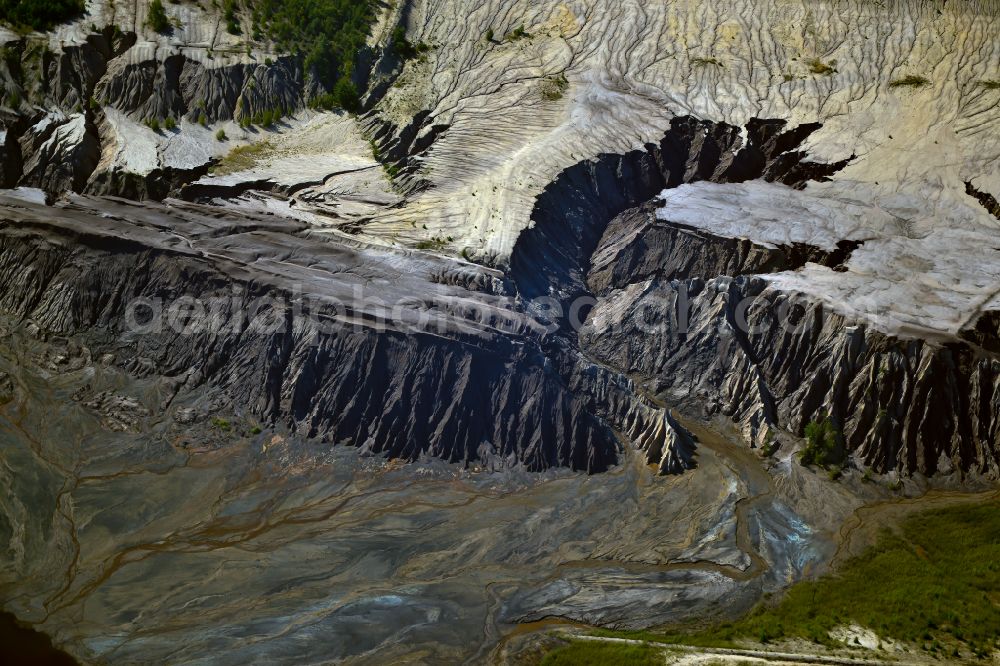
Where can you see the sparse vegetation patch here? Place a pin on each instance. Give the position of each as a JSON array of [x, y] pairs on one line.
[[241, 158], [910, 81], [553, 87]]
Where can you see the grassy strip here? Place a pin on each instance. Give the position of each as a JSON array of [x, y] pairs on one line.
[[590, 653], [935, 583]]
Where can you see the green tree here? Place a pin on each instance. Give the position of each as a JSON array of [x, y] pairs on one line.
[[39, 14], [232, 23], [822, 444], [345, 95], [157, 17], [329, 32]]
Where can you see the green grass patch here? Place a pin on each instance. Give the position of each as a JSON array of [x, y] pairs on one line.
[[910, 81], [935, 583], [241, 158], [591, 653]]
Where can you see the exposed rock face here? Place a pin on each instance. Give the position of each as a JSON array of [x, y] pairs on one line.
[[59, 155], [988, 201], [909, 405], [476, 128], [7, 388], [571, 214], [637, 246], [696, 317], [458, 374], [179, 87]]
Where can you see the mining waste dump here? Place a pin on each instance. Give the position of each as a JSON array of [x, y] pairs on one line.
[[445, 332]]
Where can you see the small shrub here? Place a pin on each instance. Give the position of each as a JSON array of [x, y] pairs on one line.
[[157, 19], [434, 243], [221, 135], [153, 124], [701, 62], [268, 62], [910, 81], [255, 430], [232, 23], [170, 123], [516, 34], [990, 85], [817, 66], [403, 47], [13, 99], [489, 35], [203, 119], [222, 424]]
